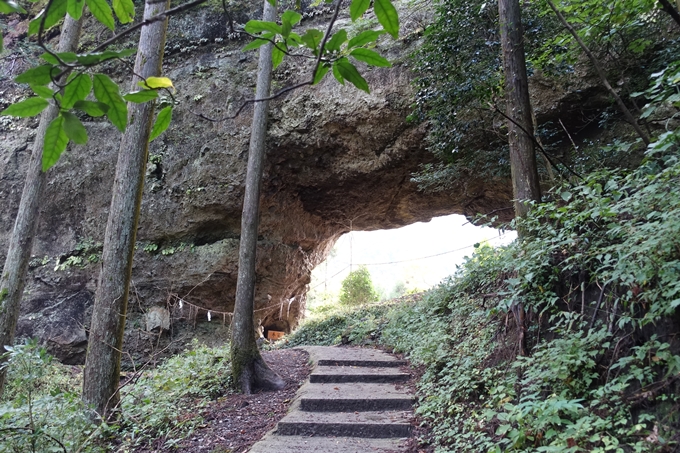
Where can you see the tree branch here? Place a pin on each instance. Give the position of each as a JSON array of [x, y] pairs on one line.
[[600, 72]]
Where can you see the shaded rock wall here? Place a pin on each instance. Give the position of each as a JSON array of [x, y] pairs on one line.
[[337, 159]]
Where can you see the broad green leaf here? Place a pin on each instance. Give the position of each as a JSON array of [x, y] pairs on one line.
[[337, 75], [125, 10], [294, 40], [156, 82], [96, 58], [42, 75], [364, 38], [333, 44], [257, 43], [102, 11], [162, 122], [29, 107], [387, 16], [357, 8], [74, 8], [94, 109], [312, 38], [371, 57], [106, 91], [257, 26], [10, 6], [140, 97], [278, 52], [350, 73], [320, 72], [291, 17], [55, 143], [272, 2], [74, 128], [76, 90], [55, 14], [66, 57], [42, 91]]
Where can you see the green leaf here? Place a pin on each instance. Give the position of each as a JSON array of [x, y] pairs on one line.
[[42, 91], [125, 10], [320, 73], [10, 6], [312, 38], [364, 38], [94, 109], [162, 122], [106, 91], [140, 97], [357, 8], [278, 52], [90, 59], [387, 16], [76, 90], [66, 57], [337, 75], [156, 82], [349, 72], [257, 26], [102, 11], [333, 44], [55, 143], [371, 57], [257, 43], [29, 107], [42, 75], [74, 129], [55, 14], [272, 2], [74, 8], [291, 17]]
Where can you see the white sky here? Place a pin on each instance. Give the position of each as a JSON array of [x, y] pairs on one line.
[[451, 238]]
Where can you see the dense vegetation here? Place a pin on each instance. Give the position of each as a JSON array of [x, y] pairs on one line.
[[42, 411], [599, 276]]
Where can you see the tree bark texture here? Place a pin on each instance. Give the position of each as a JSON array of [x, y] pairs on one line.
[[248, 368], [525, 184], [21, 241], [102, 365]]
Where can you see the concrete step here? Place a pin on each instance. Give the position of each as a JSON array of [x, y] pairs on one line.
[[340, 374], [358, 357], [299, 444], [354, 397], [376, 424]]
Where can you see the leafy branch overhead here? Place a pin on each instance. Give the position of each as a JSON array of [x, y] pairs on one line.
[[64, 79], [331, 52]]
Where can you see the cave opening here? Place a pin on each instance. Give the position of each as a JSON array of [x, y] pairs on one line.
[[412, 258]]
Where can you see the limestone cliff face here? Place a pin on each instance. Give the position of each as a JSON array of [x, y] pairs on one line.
[[337, 159]]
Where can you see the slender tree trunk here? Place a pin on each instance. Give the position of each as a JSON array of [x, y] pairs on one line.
[[102, 366], [525, 184], [21, 241], [248, 368]]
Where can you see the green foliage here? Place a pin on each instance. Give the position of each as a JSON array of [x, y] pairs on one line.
[[333, 53], [357, 288], [41, 409], [40, 412], [165, 402]]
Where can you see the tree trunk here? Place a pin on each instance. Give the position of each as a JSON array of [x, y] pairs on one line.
[[248, 368], [518, 108], [523, 168], [102, 366], [21, 241]]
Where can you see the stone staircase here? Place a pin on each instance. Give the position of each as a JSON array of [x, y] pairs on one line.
[[355, 402]]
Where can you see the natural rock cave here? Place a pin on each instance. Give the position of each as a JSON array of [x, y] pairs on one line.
[[338, 160]]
